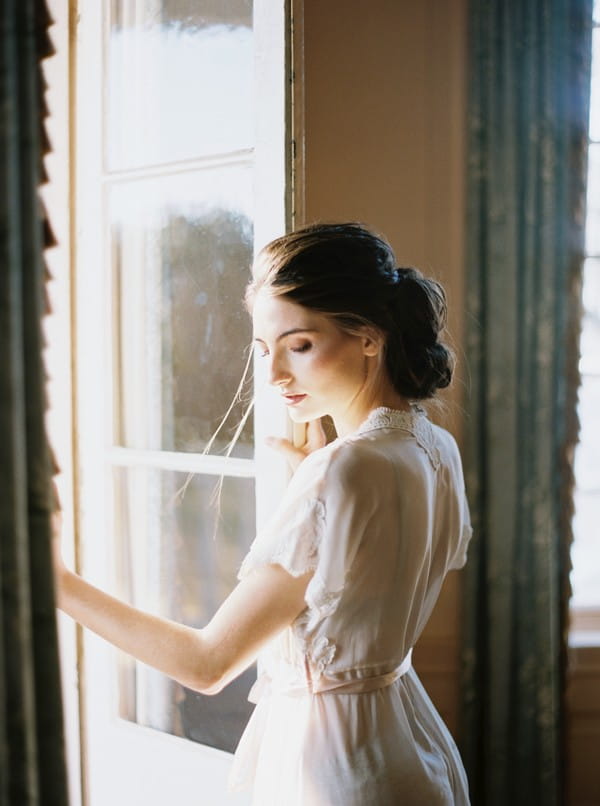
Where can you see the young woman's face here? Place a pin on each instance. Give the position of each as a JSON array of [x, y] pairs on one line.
[[317, 368]]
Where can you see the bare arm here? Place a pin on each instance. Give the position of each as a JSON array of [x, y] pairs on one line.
[[263, 604]]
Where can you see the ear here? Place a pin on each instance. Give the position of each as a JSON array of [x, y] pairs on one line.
[[372, 342]]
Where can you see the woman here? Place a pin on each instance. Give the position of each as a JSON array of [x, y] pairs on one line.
[[338, 586]]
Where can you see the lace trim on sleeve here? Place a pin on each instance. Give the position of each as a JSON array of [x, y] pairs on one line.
[[294, 545], [321, 602], [321, 652]]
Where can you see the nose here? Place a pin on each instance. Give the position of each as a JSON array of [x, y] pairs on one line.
[[279, 375]]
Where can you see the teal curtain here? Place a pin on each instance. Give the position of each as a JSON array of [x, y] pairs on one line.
[[528, 116], [32, 768]]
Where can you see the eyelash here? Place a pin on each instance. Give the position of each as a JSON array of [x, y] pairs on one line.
[[303, 349]]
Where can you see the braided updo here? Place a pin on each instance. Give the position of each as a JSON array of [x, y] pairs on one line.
[[349, 274]]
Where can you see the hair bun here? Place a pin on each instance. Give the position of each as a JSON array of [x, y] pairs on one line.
[[418, 362], [441, 362], [420, 306], [399, 274]]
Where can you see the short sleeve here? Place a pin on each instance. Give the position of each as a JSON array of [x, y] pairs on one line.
[[292, 535]]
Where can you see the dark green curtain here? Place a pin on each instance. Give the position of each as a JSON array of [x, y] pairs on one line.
[[32, 768], [528, 117]]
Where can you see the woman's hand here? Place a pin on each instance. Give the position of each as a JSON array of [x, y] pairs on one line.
[[295, 454]]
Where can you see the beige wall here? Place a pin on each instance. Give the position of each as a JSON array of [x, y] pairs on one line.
[[384, 123]]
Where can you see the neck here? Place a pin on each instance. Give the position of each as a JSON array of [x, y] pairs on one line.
[[348, 421]]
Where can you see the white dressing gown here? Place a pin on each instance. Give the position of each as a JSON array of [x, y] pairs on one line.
[[341, 718]]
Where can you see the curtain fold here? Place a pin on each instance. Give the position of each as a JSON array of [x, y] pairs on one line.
[[32, 766], [528, 119]]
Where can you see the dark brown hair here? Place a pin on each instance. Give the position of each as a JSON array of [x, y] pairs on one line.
[[349, 274]]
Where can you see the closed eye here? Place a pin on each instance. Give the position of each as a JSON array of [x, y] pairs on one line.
[[303, 348]]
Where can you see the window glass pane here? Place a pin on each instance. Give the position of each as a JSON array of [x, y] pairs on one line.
[[592, 240], [591, 287], [181, 249], [181, 73], [589, 363], [190, 13], [595, 85], [178, 552], [587, 466], [585, 552]]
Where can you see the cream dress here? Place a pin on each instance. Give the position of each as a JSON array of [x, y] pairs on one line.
[[341, 718]]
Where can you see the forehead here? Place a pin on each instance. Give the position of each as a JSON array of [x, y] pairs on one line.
[[271, 315]]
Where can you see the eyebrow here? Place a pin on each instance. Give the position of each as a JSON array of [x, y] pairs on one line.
[[290, 333]]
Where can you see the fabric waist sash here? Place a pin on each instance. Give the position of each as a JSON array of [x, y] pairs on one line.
[[324, 684]]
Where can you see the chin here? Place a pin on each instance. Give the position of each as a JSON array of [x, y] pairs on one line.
[[299, 416]]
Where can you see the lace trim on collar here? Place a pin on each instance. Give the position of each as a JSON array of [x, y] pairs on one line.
[[415, 422], [384, 417]]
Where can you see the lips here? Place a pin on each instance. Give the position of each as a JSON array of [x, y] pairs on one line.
[[293, 400]]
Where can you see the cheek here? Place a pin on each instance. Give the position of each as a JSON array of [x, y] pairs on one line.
[[326, 360], [340, 362]]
